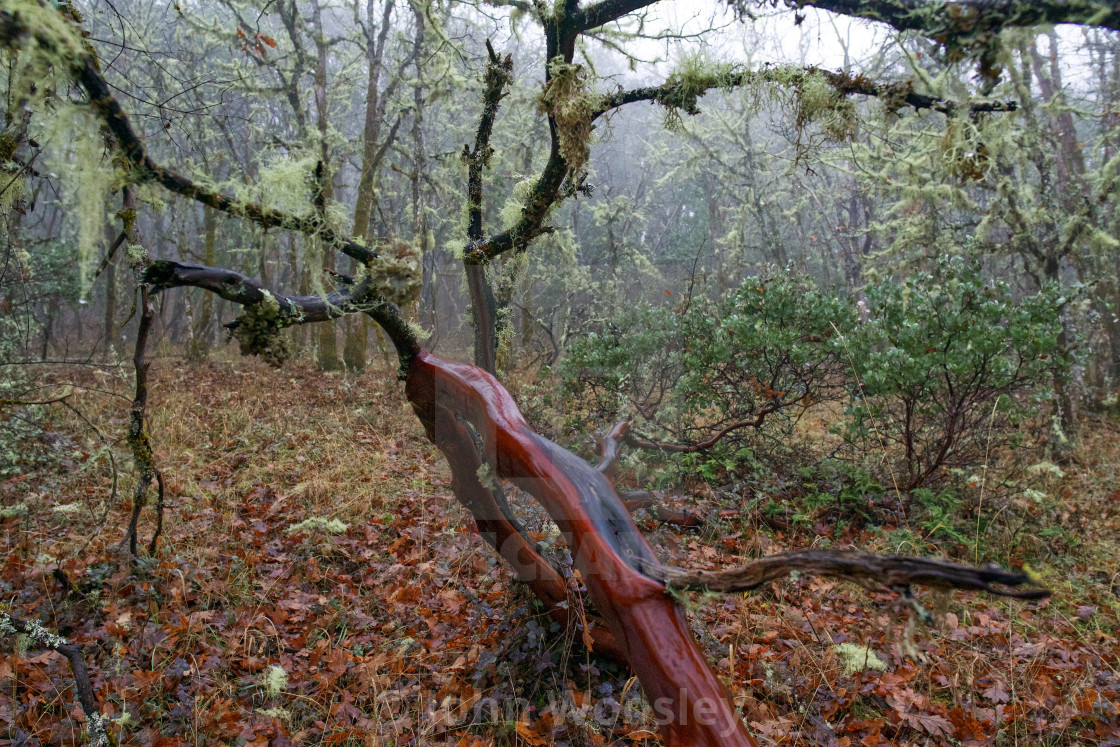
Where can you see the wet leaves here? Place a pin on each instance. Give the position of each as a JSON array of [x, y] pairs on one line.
[[403, 628]]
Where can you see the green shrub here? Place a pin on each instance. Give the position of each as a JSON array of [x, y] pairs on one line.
[[946, 370], [751, 362], [948, 367]]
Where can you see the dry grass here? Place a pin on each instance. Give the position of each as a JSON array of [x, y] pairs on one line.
[[387, 627]]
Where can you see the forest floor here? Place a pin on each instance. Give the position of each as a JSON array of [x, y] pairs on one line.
[[317, 583]]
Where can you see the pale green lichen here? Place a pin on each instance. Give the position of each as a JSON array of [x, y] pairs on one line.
[[512, 209], [14, 511], [694, 76], [419, 332], [1047, 468], [33, 633], [568, 98], [319, 524], [98, 733], [137, 257], [486, 476], [258, 331], [274, 680], [395, 275], [285, 181], [818, 102], [77, 152], [858, 658], [281, 713]]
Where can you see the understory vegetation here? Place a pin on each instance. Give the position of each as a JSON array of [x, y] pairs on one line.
[[357, 574]]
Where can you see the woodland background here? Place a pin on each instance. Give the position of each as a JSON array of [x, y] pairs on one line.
[[833, 320]]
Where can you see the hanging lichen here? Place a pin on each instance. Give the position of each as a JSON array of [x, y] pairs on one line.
[[511, 211], [258, 328], [818, 102], [396, 276], [694, 77], [963, 151], [75, 152], [284, 182], [568, 99]]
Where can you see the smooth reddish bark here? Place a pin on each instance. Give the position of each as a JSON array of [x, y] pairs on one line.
[[692, 706]]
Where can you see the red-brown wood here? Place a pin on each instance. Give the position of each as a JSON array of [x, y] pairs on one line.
[[691, 704]]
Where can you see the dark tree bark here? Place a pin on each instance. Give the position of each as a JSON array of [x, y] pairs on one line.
[[203, 333], [83, 687], [139, 440]]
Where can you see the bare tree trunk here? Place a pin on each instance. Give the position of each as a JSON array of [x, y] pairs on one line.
[[419, 161], [199, 347], [327, 353], [138, 438], [110, 273]]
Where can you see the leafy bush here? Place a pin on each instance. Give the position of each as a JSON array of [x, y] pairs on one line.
[[944, 372], [705, 372], [944, 362]]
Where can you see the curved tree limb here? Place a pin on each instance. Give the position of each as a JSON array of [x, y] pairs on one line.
[[621, 572], [501, 530], [607, 11], [83, 688], [291, 310], [649, 626], [892, 571], [946, 19], [233, 286], [706, 444]]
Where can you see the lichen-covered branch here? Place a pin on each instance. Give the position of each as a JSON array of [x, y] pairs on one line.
[[499, 74], [944, 20], [139, 440], [682, 92], [43, 638], [607, 11], [266, 313]]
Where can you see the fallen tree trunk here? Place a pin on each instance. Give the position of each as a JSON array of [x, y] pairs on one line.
[[648, 627]]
